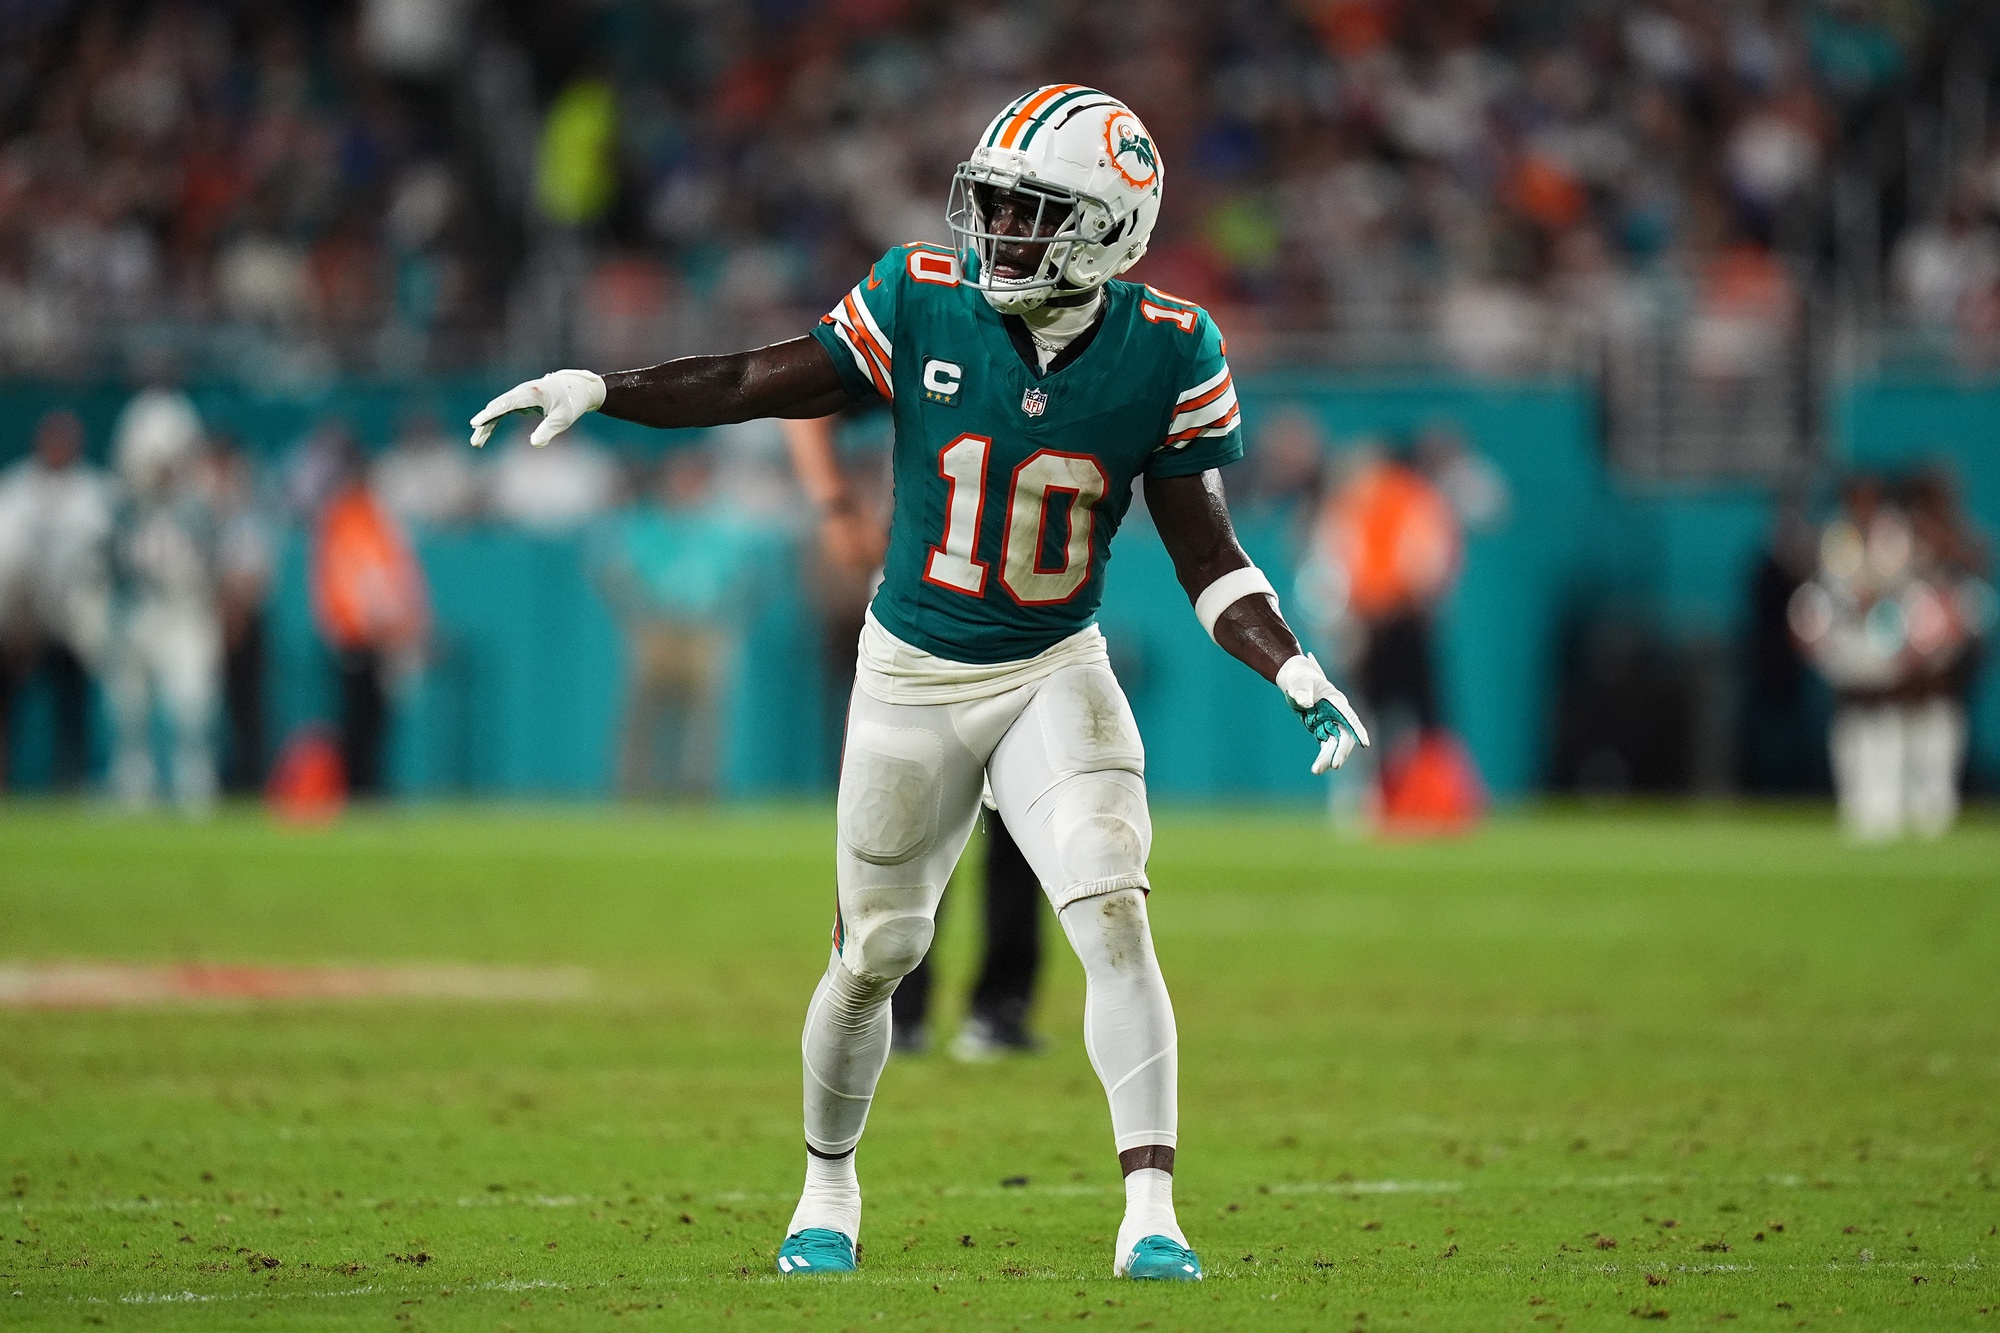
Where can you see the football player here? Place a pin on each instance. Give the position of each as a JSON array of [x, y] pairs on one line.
[[1030, 392]]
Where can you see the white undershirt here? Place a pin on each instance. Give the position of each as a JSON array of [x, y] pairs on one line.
[[896, 672], [1054, 327]]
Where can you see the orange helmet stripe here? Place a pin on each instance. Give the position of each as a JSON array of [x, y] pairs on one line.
[[1035, 104]]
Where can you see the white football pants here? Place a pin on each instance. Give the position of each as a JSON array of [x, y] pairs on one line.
[[1895, 767], [171, 653], [1067, 772]]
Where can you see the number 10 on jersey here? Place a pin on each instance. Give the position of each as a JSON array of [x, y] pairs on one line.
[[954, 563]]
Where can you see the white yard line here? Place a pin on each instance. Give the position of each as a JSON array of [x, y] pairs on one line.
[[1369, 1187], [182, 1297]]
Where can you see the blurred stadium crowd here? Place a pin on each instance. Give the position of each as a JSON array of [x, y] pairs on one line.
[[281, 191]]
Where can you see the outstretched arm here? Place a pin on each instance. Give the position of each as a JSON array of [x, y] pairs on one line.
[[795, 378], [1237, 606]]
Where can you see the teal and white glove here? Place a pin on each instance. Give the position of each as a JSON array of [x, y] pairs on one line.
[[561, 396], [1324, 710]]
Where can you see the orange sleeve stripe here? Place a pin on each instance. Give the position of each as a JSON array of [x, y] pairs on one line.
[[1206, 398], [875, 348], [1027, 113], [1215, 425], [878, 360]]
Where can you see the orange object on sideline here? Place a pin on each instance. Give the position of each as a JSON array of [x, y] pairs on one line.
[[308, 784], [367, 589], [1430, 787]]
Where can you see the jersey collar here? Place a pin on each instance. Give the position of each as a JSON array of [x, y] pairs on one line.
[[1024, 342]]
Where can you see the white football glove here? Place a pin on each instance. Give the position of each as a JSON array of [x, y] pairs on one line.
[[561, 396], [1324, 710]]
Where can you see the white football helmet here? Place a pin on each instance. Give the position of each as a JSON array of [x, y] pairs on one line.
[[1086, 160]]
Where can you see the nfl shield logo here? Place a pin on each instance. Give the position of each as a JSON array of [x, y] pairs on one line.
[[1034, 401]]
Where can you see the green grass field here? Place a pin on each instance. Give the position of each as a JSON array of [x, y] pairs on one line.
[[1579, 1069]]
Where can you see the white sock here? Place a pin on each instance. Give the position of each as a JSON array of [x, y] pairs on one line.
[[1149, 1211], [832, 1197]]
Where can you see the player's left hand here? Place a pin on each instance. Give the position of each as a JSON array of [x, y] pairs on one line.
[[562, 397], [1324, 710]]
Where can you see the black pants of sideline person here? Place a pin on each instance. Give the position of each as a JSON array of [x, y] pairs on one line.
[[364, 718], [243, 707], [1013, 953], [1396, 671], [69, 693]]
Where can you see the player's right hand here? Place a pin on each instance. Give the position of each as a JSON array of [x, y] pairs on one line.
[[561, 396], [1323, 708]]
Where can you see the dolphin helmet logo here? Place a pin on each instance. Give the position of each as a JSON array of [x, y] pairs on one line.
[[1130, 149]]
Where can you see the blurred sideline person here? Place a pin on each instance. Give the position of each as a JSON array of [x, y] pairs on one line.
[[167, 638], [1003, 995], [372, 607], [1385, 555], [424, 478], [55, 588], [1782, 748], [557, 489], [853, 537], [1893, 619], [244, 556], [1031, 393], [682, 573]]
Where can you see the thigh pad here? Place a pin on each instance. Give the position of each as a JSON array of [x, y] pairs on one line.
[[891, 783], [1087, 725]]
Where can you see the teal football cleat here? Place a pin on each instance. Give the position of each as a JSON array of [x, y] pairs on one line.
[[1159, 1259], [817, 1250]]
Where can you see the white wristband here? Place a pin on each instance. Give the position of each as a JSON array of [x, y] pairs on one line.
[[1226, 591]]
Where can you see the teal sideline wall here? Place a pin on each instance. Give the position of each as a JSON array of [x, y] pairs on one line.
[[525, 691]]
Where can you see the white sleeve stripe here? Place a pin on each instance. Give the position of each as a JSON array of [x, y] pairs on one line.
[[1206, 414], [870, 355], [1207, 384], [868, 318], [1224, 426], [846, 336]]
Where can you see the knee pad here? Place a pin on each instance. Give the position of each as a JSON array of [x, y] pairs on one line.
[[1102, 833], [885, 936], [891, 782]]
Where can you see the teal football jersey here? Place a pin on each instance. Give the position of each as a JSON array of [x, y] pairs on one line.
[[1011, 483]]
